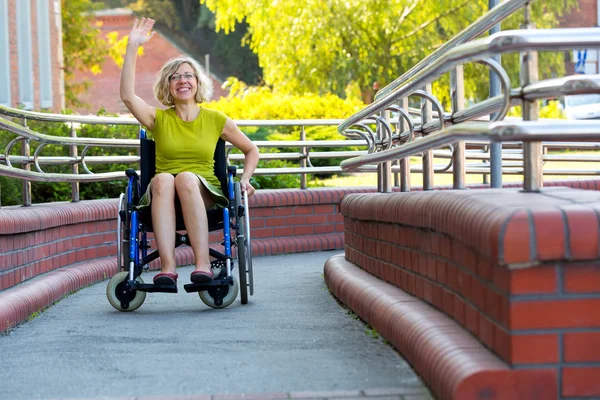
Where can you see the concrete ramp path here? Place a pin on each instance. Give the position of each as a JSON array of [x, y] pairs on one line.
[[293, 340]]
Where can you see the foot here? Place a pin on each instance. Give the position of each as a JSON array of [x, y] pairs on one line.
[[199, 276], [166, 278]]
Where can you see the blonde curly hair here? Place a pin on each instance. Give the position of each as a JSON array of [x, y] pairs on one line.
[[161, 86]]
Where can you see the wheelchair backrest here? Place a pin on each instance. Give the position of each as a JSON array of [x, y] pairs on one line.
[[148, 163]]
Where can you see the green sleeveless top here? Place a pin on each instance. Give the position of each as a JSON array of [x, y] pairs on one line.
[[187, 146]]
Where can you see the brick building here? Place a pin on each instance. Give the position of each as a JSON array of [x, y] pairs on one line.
[[586, 16], [104, 89], [31, 54]]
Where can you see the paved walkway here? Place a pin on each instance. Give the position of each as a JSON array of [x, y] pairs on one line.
[[293, 340]]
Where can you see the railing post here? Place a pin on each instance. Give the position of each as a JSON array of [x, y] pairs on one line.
[[74, 167], [404, 162], [457, 93], [495, 147], [303, 159], [384, 170], [26, 152], [532, 151], [426, 111]]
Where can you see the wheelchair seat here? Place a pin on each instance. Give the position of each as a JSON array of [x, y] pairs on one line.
[[148, 170]]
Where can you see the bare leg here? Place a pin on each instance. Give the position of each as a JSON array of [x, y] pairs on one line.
[[195, 199], [163, 219]]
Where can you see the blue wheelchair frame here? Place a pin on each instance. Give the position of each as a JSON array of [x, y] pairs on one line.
[[137, 259]]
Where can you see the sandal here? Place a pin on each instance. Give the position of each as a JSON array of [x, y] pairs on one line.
[[165, 278], [202, 276]]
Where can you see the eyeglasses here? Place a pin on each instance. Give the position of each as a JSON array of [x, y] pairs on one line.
[[176, 77]]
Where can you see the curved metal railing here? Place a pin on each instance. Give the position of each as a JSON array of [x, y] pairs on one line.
[[28, 165], [481, 50], [394, 140]]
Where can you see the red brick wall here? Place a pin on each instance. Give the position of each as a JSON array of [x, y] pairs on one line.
[[57, 90], [46, 237], [585, 15], [519, 271], [71, 245]]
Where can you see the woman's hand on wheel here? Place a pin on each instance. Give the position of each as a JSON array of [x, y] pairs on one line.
[[245, 186], [141, 31]]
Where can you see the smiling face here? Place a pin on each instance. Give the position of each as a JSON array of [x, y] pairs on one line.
[[183, 84]]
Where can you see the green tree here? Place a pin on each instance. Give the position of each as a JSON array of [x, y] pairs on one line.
[[192, 25], [323, 45], [160, 10], [83, 48]]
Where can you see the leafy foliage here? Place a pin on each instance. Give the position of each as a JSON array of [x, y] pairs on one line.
[[262, 103], [192, 26], [43, 192], [550, 110], [322, 46], [83, 48], [162, 10]]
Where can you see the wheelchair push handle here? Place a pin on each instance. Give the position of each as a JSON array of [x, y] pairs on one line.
[[131, 173]]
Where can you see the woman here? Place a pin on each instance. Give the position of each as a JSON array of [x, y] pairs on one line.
[[185, 135]]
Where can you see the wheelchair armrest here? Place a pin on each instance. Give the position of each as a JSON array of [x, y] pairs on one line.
[[130, 172]]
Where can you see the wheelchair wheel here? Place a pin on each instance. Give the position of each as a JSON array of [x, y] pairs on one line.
[[248, 247], [114, 292], [241, 245], [208, 296], [122, 236]]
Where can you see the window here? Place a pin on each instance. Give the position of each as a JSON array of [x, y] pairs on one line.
[[4, 55], [24, 54], [44, 53]]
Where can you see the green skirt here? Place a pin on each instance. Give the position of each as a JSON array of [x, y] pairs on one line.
[[216, 193]]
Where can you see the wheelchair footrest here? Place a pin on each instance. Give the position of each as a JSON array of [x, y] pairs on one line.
[[153, 288], [199, 287]]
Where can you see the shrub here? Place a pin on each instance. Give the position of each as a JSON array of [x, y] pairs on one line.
[[261, 103]]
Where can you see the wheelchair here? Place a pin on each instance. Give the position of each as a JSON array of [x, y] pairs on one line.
[[126, 290]]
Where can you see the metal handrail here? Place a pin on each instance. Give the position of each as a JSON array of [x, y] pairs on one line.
[[102, 120], [502, 42], [525, 131], [23, 131]]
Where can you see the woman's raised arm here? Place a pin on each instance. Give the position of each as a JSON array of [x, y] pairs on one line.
[[140, 33]]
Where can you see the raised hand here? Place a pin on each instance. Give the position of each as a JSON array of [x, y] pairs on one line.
[[141, 31]]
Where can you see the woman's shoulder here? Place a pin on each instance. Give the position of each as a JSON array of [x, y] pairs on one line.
[[212, 113], [161, 113], [169, 112]]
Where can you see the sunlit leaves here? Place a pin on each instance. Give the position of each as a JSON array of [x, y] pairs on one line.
[[321, 46], [83, 49]]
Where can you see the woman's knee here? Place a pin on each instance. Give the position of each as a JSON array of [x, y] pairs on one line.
[[163, 184], [186, 183]]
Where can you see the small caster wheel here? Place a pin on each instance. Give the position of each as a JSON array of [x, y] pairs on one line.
[[229, 293], [117, 295]]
